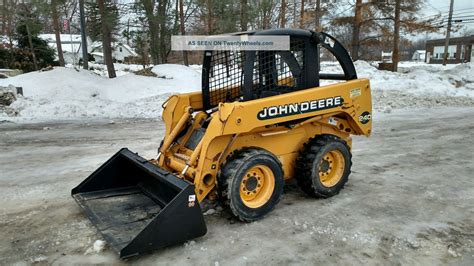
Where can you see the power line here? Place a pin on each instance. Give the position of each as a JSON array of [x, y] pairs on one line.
[[455, 12]]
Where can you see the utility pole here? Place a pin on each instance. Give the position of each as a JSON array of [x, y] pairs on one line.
[[448, 30], [396, 36], [85, 56]]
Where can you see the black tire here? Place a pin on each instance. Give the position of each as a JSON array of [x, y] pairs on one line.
[[310, 159], [232, 175]]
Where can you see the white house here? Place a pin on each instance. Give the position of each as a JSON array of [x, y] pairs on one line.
[[119, 51], [419, 56], [71, 45]]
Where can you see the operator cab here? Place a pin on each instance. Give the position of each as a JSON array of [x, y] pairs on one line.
[[237, 75]]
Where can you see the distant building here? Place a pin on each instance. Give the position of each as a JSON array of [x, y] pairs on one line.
[[419, 56], [120, 51], [70, 44], [459, 50]]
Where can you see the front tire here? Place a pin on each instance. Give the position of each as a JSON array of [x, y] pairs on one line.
[[323, 166], [251, 183]]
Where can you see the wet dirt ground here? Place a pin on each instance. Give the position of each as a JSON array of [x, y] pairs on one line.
[[409, 200]]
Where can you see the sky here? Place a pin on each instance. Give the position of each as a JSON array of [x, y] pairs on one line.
[[462, 9]]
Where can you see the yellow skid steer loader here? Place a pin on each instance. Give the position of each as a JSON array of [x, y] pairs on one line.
[[261, 118]]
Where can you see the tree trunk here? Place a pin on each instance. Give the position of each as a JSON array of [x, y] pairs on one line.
[[243, 15], [183, 30], [396, 36], [294, 14], [4, 15], [9, 20], [153, 25], [283, 14], [317, 14], [356, 30], [57, 32], [302, 15], [209, 16], [106, 39], [82, 19], [162, 26], [30, 42]]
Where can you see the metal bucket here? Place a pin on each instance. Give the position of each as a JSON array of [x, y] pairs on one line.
[[138, 206]]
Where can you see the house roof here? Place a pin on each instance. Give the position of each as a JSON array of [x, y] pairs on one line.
[[98, 44], [129, 49], [453, 40], [98, 54], [67, 47], [65, 38], [420, 51]]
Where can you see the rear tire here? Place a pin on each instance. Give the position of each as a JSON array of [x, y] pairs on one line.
[[323, 166], [251, 183]]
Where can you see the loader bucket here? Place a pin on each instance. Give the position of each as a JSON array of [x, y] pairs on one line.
[[138, 206]]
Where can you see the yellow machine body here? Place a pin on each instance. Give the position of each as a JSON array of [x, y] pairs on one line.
[[261, 117], [297, 117]]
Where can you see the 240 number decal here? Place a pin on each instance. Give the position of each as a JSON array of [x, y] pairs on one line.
[[365, 117]]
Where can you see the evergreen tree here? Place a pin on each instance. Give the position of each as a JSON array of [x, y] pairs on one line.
[[32, 52], [94, 21]]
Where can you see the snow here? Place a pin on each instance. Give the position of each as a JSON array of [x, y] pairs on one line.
[[65, 93], [70, 43], [64, 37], [423, 79], [99, 246], [69, 93]]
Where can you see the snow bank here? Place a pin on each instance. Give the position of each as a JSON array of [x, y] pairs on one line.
[[65, 93], [415, 85], [422, 79]]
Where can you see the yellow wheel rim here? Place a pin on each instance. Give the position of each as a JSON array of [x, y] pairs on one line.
[[331, 168], [257, 186]]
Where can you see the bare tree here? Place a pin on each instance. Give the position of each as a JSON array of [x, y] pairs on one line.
[[356, 30], [153, 26], [57, 31], [182, 29], [106, 39], [209, 16], [244, 20], [283, 14], [302, 15], [317, 14]]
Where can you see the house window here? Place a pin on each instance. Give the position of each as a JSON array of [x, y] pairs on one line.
[[439, 51]]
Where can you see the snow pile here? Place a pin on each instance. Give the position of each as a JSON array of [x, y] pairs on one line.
[[421, 85], [422, 79], [68, 93], [65, 93], [120, 69], [416, 85]]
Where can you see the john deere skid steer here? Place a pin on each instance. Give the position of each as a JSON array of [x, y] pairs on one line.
[[261, 118]]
